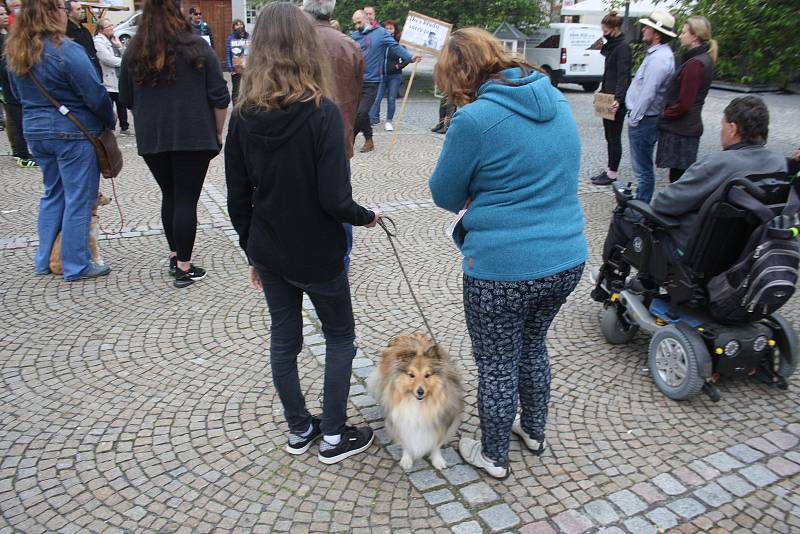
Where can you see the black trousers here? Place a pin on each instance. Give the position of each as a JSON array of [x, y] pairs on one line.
[[613, 131], [122, 112], [180, 175], [19, 147], [363, 125], [236, 81]]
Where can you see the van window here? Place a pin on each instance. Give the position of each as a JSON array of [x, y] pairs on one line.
[[134, 21], [584, 38], [544, 39]]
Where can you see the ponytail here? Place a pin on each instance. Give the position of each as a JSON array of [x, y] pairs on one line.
[[613, 20]]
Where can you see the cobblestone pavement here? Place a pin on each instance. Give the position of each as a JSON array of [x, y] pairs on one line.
[[128, 405]]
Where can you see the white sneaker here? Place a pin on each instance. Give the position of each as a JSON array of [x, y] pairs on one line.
[[536, 446], [388, 126], [472, 453]]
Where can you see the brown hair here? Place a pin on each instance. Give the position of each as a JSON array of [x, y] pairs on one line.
[[613, 20], [471, 58], [286, 63], [163, 34], [700, 27], [37, 21], [396, 32]]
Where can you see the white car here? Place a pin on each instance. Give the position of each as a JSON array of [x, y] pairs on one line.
[[127, 28], [570, 53]]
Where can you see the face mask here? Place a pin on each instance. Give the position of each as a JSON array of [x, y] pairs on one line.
[[16, 10]]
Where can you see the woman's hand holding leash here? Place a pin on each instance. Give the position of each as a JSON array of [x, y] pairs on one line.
[[255, 280]]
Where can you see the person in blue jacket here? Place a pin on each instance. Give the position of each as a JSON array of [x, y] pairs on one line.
[[38, 48], [511, 157], [374, 43], [235, 50]]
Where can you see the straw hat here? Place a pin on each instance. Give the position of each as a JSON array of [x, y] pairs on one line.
[[661, 21]]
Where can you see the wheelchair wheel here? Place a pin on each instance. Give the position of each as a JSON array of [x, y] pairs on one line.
[[675, 353], [615, 328], [788, 344]]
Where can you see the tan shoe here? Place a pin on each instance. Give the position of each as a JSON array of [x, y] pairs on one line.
[[369, 146]]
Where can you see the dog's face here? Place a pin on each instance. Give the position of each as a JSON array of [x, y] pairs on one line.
[[416, 364], [102, 200]]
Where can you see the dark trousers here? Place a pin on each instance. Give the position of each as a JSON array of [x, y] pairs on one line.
[[236, 81], [332, 303], [363, 124], [19, 147], [508, 324], [675, 175], [122, 111], [180, 175], [613, 132]]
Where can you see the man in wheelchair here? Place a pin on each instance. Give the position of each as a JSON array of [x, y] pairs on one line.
[[745, 125], [694, 249]]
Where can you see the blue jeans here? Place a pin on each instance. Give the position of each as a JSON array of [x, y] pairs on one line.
[[642, 139], [71, 182], [391, 86], [332, 302]]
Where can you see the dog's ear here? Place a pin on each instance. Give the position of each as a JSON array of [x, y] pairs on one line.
[[394, 341], [433, 352]]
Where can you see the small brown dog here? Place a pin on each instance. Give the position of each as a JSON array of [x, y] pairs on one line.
[[94, 231], [421, 394]]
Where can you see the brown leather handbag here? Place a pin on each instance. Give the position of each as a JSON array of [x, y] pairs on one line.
[[109, 157]]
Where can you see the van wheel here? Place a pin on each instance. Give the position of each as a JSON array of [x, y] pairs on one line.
[[125, 40], [549, 72], [590, 87]]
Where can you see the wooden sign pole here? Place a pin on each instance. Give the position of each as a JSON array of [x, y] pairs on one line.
[[402, 110]]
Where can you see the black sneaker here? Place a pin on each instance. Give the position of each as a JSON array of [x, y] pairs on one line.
[[173, 266], [353, 441], [602, 179], [299, 444], [187, 278]]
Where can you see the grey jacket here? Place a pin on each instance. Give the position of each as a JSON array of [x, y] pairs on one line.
[[684, 198]]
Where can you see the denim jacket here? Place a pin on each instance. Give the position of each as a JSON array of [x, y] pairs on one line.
[[67, 74]]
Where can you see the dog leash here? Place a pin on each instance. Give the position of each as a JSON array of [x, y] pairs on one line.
[[119, 209], [382, 220]]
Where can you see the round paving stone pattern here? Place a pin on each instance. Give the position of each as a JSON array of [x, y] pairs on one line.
[[128, 405]]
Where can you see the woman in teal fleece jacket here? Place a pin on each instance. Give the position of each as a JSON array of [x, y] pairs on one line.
[[512, 155]]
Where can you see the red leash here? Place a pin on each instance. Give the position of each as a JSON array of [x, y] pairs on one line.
[[119, 209]]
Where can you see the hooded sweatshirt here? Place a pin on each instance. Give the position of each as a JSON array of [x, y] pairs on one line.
[[515, 151], [374, 43], [289, 189]]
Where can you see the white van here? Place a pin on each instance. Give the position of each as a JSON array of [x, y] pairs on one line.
[[569, 52], [126, 29]]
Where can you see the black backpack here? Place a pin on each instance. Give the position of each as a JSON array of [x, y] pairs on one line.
[[765, 276]]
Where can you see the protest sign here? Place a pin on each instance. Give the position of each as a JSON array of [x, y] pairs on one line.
[[602, 106], [425, 33]]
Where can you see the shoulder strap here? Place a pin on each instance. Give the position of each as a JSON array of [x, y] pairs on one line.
[[64, 110]]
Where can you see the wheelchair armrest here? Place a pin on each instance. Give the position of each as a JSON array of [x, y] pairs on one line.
[[646, 210]]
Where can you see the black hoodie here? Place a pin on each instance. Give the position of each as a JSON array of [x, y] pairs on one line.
[[289, 189]]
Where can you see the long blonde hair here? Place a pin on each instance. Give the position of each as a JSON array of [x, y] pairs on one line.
[[700, 27], [37, 21], [286, 64]]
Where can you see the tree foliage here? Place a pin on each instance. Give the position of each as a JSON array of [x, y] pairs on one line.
[[488, 14], [758, 39]]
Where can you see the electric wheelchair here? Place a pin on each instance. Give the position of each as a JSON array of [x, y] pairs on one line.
[[693, 344]]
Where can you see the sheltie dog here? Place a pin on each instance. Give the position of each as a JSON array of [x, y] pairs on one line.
[[94, 231], [421, 394]]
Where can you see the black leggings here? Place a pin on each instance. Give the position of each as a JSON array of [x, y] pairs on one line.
[[122, 111], [613, 131], [675, 175], [180, 176], [19, 147]]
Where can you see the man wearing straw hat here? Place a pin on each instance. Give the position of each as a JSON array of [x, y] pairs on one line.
[[645, 97]]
